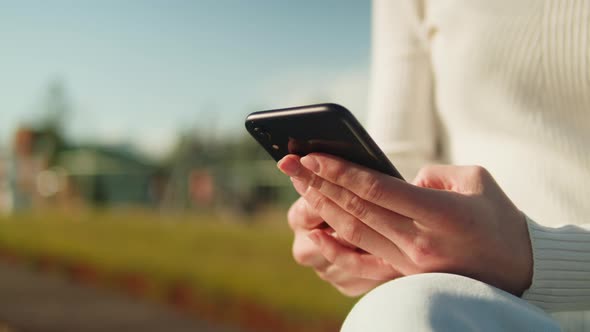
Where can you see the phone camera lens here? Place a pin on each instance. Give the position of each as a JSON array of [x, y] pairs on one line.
[[264, 135]]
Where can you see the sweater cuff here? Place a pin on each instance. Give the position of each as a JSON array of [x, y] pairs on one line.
[[561, 268]]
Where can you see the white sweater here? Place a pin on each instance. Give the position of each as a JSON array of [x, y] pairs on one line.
[[504, 84]]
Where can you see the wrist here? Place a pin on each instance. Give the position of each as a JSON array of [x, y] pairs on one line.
[[523, 258], [526, 263], [513, 257]]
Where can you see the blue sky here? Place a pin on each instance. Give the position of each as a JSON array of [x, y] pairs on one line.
[[139, 71]]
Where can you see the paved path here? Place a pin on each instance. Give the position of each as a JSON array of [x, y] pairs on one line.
[[34, 302]]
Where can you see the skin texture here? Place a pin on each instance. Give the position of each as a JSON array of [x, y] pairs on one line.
[[453, 219]]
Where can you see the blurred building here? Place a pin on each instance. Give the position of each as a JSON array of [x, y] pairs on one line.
[[107, 175]]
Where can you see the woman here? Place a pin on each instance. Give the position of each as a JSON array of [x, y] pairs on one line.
[[502, 84]]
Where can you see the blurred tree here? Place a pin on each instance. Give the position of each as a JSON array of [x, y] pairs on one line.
[[55, 108]]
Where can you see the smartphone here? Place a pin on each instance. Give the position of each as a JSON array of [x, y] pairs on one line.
[[326, 128]]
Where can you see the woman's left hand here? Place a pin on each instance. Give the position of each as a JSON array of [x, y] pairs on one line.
[[453, 219]]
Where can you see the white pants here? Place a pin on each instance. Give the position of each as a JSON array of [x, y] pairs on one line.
[[444, 302]]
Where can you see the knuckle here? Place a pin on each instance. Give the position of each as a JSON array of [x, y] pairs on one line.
[[302, 256], [316, 182], [350, 264], [318, 202], [423, 251], [478, 172], [374, 188], [352, 233], [336, 171], [356, 206], [478, 179], [349, 291]]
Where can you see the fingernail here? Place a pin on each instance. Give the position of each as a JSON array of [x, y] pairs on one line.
[[315, 238], [289, 167], [310, 163]]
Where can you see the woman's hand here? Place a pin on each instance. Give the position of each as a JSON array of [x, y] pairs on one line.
[[453, 219], [351, 273]]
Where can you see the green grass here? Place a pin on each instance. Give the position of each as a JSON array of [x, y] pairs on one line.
[[221, 258]]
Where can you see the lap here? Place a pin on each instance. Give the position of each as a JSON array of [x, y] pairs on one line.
[[444, 302]]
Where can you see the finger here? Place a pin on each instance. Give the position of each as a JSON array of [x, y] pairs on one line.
[[291, 166], [360, 265], [350, 229], [392, 225], [346, 283], [307, 253], [354, 288], [302, 216], [378, 188]]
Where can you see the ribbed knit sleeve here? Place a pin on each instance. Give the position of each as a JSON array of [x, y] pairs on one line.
[[561, 277], [400, 115], [506, 85]]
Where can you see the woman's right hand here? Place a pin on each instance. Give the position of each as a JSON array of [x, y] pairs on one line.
[[351, 271]]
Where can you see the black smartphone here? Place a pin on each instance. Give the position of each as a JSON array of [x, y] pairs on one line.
[[327, 128]]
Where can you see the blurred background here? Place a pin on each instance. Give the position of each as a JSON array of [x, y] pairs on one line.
[[131, 197]]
